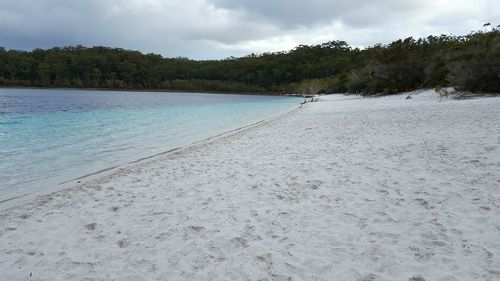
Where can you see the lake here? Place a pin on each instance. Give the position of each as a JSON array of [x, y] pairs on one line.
[[51, 136]]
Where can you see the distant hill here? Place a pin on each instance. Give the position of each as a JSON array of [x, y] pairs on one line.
[[470, 62]]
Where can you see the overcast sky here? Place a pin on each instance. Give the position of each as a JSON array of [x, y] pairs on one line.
[[208, 29]]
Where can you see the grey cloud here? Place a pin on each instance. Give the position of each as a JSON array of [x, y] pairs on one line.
[[48, 23], [290, 14], [221, 28]]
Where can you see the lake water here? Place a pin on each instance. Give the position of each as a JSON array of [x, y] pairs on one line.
[[51, 136]]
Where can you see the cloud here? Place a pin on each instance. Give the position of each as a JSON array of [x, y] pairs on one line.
[[207, 29], [314, 12]]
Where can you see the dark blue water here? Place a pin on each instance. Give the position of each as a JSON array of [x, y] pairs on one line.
[[28, 101], [51, 136]]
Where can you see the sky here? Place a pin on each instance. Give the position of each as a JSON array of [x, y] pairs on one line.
[[214, 29]]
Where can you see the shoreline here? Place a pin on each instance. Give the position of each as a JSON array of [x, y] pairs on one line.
[[152, 91], [71, 183]]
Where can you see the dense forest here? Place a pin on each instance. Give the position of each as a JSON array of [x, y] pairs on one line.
[[470, 62]]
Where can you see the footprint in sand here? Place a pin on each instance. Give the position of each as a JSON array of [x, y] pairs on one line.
[[239, 242], [424, 203], [422, 254], [265, 260], [369, 277], [91, 226], [122, 243], [416, 278]]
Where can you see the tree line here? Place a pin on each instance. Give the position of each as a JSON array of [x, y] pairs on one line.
[[470, 62]]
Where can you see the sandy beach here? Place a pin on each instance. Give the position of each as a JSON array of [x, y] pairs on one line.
[[342, 189]]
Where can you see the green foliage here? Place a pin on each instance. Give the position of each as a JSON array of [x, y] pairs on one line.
[[470, 62]]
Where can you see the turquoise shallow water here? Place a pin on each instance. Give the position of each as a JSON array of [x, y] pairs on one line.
[[51, 136]]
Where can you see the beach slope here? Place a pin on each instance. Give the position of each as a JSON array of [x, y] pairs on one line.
[[342, 189]]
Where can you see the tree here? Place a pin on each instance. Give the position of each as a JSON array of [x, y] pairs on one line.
[[308, 88], [43, 72], [469, 61], [95, 77]]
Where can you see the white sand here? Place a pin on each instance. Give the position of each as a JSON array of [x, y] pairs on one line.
[[343, 189]]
